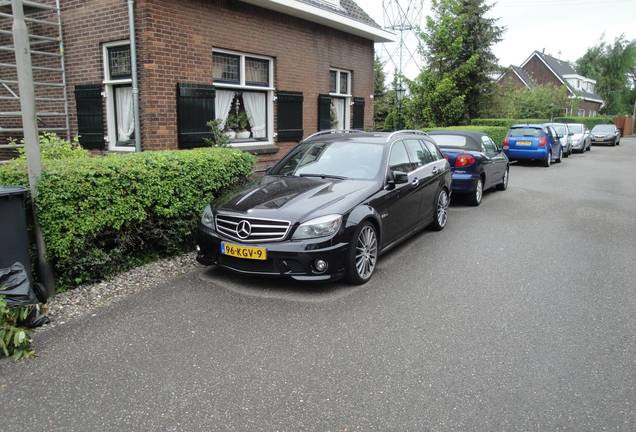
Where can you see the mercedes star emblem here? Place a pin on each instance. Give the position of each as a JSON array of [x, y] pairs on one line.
[[243, 229]]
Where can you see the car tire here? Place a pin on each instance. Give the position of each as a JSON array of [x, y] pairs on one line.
[[442, 200], [614, 143], [548, 160], [475, 198], [363, 254], [560, 158], [566, 154], [504, 181], [589, 148]]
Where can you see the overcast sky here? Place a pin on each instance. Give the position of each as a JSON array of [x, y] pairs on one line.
[[565, 28]]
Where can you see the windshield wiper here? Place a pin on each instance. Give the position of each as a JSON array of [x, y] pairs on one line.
[[324, 176]]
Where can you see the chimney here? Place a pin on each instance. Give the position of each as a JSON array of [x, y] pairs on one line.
[[542, 50]]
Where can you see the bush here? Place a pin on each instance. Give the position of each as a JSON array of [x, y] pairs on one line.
[[14, 341], [102, 215], [589, 122], [497, 133], [54, 147], [504, 122]]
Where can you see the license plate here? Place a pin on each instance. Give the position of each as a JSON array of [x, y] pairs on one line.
[[524, 143], [245, 252]]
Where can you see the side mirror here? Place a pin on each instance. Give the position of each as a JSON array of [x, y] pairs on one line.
[[559, 136], [400, 177]]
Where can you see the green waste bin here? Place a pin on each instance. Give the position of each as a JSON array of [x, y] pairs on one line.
[[14, 237]]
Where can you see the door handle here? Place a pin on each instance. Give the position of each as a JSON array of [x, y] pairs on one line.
[[435, 170], [415, 181]]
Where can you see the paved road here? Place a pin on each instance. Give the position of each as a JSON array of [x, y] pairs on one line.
[[520, 316]]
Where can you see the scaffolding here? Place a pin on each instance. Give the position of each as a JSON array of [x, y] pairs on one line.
[[44, 24]]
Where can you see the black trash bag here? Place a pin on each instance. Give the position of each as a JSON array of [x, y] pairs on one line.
[[16, 287]]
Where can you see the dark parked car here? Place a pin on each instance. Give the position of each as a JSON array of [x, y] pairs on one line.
[[533, 142], [330, 207], [477, 162], [607, 134]]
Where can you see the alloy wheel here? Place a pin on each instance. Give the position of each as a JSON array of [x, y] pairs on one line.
[[479, 191], [442, 208], [505, 179], [366, 252]]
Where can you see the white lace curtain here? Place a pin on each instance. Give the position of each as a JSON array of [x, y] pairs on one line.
[[222, 103], [125, 118], [338, 105], [256, 110]]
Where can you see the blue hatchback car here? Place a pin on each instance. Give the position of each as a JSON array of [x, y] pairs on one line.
[[533, 142], [477, 163]]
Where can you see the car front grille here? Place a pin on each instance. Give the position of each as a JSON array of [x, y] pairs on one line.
[[252, 229]]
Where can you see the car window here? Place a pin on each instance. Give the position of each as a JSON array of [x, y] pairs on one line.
[[489, 146], [603, 128], [399, 160], [524, 132], [435, 152], [450, 140], [418, 154], [576, 128]]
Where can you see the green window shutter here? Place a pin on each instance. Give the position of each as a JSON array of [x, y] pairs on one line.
[[358, 113], [195, 107], [324, 112], [289, 116], [90, 116]]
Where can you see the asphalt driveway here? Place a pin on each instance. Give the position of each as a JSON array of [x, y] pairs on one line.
[[520, 315]]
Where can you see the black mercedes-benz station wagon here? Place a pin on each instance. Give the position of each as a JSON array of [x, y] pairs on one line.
[[330, 207]]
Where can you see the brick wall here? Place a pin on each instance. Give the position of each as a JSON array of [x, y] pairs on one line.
[[178, 38], [87, 25], [540, 73], [511, 78]]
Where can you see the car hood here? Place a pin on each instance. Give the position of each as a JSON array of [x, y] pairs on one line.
[[578, 136], [296, 199]]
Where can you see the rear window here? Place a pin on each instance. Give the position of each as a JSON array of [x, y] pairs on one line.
[[576, 128], [524, 132], [450, 140]]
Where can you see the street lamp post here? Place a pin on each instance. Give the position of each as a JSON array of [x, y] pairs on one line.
[[399, 93]]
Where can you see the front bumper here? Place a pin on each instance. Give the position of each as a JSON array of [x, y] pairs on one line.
[[579, 145], [520, 154], [464, 182], [602, 140], [290, 259]]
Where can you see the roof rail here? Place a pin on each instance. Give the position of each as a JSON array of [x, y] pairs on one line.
[[406, 131], [333, 131]]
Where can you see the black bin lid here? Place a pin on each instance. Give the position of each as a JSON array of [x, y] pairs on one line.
[[8, 191]]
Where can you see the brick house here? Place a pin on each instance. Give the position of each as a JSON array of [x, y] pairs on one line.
[[271, 70], [542, 69]]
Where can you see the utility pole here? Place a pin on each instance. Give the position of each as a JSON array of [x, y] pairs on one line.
[[30, 129]]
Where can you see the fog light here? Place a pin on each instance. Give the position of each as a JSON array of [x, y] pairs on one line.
[[320, 265]]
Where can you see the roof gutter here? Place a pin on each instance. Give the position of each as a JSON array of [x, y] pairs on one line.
[[327, 18], [133, 64]]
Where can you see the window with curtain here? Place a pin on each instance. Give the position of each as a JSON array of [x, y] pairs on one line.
[[120, 120], [244, 95], [124, 118]]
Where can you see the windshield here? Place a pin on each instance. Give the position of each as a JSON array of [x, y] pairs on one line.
[[576, 128], [524, 132], [450, 140], [345, 159], [603, 128]]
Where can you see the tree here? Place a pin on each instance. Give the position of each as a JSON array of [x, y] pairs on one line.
[[380, 105], [542, 102], [456, 45], [613, 66]]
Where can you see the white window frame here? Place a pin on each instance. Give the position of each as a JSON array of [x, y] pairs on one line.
[[346, 96], [270, 89], [581, 112], [109, 94]]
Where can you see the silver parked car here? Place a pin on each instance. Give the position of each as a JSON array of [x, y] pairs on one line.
[[563, 135], [581, 138]]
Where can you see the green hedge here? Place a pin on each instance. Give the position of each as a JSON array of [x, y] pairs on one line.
[[589, 122], [102, 215], [497, 133]]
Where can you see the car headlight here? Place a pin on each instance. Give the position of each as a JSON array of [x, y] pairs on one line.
[[320, 227], [207, 218]]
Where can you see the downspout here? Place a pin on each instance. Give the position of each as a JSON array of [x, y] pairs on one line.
[[133, 63]]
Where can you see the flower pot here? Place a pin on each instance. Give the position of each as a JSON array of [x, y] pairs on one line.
[[243, 134], [230, 134]]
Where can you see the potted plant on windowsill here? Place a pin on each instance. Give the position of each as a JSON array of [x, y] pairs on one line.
[[243, 124], [231, 124]]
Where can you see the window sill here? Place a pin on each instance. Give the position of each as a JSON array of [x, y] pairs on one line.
[[259, 149]]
